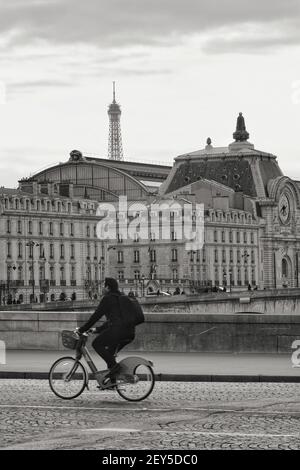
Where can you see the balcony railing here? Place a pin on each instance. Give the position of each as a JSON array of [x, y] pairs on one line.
[[73, 282], [63, 282]]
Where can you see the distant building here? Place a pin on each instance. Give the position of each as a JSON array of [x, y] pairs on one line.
[[251, 225], [48, 239]]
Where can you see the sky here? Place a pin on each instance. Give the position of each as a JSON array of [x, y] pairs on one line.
[[183, 69]]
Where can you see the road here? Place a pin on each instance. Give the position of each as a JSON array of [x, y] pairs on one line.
[[178, 415]]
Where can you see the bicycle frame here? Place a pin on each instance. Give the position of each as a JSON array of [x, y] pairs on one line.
[[127, 365]]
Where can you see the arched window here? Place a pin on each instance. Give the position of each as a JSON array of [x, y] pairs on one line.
[[284, 267]]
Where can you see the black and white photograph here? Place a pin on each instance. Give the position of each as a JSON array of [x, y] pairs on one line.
[[149, 228]]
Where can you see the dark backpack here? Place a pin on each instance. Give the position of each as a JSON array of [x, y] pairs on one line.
[[130, 311]]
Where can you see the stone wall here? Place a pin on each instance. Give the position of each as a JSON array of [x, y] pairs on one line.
[[181, 332]]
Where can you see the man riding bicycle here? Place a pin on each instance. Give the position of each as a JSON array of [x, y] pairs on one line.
[[114, 334]]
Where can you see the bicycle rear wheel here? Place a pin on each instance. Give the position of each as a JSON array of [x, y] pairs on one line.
[[136, 387], [67, 378]]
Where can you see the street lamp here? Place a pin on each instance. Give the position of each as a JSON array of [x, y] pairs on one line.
[[143, 285], [31, 244], [246, 256], [230, 279], [8, 279]]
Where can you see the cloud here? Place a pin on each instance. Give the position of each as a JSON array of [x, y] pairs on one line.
[[118, 23], [15, 86]]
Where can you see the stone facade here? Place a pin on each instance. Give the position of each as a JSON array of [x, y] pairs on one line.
[[49, 247]]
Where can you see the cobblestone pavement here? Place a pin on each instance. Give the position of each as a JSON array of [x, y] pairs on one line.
[[176, 416]]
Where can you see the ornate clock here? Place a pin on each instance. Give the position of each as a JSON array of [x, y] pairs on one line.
[[284, 208]]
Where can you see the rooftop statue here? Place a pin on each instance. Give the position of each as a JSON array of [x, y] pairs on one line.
[[241, 133]]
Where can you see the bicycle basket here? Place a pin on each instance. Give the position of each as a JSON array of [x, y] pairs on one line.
[[69, 339]]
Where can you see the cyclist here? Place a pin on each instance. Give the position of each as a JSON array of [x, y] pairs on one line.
[[114, 333]]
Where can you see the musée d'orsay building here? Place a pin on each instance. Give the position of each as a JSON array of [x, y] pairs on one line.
[[48, 237]]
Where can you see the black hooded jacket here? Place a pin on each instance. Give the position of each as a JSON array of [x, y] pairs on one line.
[[108, 307]]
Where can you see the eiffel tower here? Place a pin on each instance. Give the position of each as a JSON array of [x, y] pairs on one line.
[[115, 149]]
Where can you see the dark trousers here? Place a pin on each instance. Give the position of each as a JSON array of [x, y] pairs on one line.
[[111, 340]]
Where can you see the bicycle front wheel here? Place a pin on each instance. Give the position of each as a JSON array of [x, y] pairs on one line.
[[67, 378], [138, 386]]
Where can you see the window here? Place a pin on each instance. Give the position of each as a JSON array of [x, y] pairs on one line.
[[223, 236], [217, 281], [137, 275], [42, 273], [73, 273], [136, 256], [120, 257], [121, 275], [51, 273], [95, 251], [215, 236], [8, 226], [41, 228], [120, 239], [19, 226], [88, 251], [153, 255], [203, 255], [71, 229], [230, 237], [239, 279], [238, 256], [9, 249], [51, 250], [42, 251], [216, 256], [51, 228], [252, 256], [27, 205], [173, 236], [136, 237], [175, 274], [88, 233], [62, 274], [174, 254], [245, 238], [62, 251], [61, 229], [72, 251], [20, 273], [30, 226], [152, 237], [223, 256], [231, 256], [238, 237], [20, 250], [252, 237]]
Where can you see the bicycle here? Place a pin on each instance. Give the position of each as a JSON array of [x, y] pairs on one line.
[[68, 377]]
